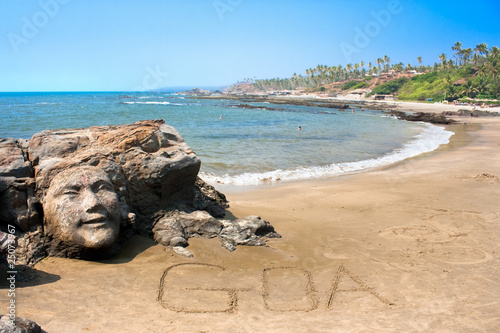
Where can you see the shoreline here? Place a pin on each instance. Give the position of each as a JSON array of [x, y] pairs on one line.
[[342, 102], [462, 136], [408, 247], [273, 178]]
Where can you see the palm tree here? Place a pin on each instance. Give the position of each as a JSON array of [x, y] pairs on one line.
[[442, 57], [399, 67], [494, 52], [419, 59], [481, 49], [493, 66], [458, 48], [469, 88], [448, 79], [483, 71], [450, 64], [466, 54], [387, 60], [356, 66]]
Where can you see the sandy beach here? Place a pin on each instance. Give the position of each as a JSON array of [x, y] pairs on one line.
[[413, 247]]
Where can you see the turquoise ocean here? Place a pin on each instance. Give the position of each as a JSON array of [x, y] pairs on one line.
[[237, 146]]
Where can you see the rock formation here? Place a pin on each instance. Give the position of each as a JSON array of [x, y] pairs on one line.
[[81, 192], [196, 92], [427, 117], [18, 325]]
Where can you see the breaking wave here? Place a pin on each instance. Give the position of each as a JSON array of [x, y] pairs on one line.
[[430, 139]]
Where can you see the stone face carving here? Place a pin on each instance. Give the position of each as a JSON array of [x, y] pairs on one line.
[[81, 207], [82, 192]]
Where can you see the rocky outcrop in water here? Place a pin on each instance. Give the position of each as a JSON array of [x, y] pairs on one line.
[[196, 92], [82, 192], [432, 118]]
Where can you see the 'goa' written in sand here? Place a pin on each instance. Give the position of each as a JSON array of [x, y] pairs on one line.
[[283, 289]]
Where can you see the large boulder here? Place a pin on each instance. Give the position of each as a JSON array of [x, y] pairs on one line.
[[148, 162], [79, 192], [17, 202]]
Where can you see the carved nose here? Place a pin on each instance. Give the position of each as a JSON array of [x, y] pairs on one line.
[[91, 202]]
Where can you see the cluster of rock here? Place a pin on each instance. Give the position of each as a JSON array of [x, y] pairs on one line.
[[154, 177], [476, 113], [427, 117], [196, 92]]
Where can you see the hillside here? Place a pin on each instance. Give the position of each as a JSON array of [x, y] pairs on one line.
[[470, 74]]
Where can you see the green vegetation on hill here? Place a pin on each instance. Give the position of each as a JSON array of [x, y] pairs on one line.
[[471, 73], [473, 81], [389, 87], [349, 85]]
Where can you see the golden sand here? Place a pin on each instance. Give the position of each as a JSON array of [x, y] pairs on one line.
[[414, 247]]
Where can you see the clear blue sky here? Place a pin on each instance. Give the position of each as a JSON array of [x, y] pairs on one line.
[[119, 45]]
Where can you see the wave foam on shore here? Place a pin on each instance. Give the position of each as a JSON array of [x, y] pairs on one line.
[[427, 141], [155, 103]]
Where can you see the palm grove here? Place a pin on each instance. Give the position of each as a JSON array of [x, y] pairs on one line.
[[469, 72]]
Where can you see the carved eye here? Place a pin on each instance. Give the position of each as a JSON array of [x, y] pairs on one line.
[[71, 191], [104, 187]]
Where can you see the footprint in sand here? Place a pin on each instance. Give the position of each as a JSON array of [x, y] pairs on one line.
[[459, 255], [421, 233], [459, 223]]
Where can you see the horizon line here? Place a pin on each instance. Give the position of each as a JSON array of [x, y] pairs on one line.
[[115, 91]]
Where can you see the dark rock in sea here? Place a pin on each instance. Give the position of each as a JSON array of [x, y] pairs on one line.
[[254, 107], [314, 102], [432, 118], [18, 325], [196, 92], [82, 192], [477, 113]]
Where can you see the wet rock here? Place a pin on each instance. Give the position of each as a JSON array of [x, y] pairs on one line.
[[432, 118]]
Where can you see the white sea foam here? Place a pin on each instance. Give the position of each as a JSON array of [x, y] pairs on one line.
[[155, 103], [429, 140]]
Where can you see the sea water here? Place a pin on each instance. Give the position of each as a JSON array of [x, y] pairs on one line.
[[236, 145]]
